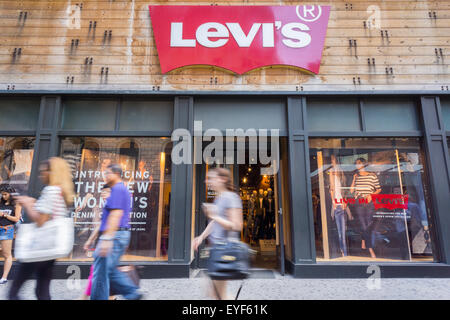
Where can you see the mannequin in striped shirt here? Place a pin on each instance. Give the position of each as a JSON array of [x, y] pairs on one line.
[[364, 185]]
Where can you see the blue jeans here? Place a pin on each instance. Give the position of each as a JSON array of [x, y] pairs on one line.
[[365, 212], [106, 273], [339, 217]]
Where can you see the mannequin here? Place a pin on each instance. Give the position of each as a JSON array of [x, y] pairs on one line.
[[250, 216], [254, 200], [271, 213], [259, 215], [265, 221], [416, 205]]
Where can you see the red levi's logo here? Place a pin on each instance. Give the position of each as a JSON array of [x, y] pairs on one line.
[[390, 201], [240, 38]]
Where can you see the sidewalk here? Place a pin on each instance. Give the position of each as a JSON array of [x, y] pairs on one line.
[[267, 287]]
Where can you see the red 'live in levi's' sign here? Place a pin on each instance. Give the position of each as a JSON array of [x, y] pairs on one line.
[[240, 38], [390, 201]]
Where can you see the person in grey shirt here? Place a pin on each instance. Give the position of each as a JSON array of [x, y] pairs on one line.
[[225, 216]]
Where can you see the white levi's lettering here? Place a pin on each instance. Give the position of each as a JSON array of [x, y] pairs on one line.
[[303, 38], [215, 35], [204, 33], [239, 35], [176, 36], [268, 35]]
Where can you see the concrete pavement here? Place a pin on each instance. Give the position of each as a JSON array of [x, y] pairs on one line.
[[267, 286]]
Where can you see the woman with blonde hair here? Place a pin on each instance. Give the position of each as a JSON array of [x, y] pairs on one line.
[[55, 197]]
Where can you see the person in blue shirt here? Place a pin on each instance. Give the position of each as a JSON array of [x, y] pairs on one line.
[[113, 241]]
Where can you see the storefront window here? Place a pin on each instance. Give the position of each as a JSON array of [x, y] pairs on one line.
[[445, 105], [370, 200], [448, 144], [146, 164], [16, 158], [19, 114]]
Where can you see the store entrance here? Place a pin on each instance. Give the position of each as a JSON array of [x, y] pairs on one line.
[[259, 212], [264, 198]]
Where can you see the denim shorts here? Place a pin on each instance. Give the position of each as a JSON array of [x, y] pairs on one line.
[[6, 232]]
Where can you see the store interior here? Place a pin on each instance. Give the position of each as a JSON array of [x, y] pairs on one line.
[[259, 212]]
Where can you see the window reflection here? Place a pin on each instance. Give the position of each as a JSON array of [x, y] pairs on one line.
[[146, 165], [16, 158], [369, 199]]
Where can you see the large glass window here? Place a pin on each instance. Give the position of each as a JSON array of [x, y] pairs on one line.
[[89, 114], [445, 105], [377, 114], [146, 164], [146, 115], [19, 114], [390, 114], [370, 199], [333, 114], [448, 144], [16, 158]]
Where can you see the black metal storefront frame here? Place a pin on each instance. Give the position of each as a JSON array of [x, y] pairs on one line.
[[303, 263]]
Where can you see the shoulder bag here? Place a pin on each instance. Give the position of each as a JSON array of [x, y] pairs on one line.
[[53, 240], [229, 260]]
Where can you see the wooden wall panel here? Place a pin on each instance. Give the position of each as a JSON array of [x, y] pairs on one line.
[[417, 31]]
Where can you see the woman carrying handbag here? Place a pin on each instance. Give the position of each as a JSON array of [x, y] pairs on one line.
[[52, 204], [228, 258]]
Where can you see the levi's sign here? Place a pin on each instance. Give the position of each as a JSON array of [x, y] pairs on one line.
[[240, 38]]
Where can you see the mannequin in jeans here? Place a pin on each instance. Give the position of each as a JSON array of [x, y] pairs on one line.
[[339, 208]]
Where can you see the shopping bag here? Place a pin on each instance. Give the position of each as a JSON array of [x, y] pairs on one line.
[[131, 272], [53, 240]]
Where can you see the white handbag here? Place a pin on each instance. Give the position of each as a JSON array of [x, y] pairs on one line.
[[53, 240]]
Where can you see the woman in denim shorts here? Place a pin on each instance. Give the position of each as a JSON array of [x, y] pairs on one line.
[[10, 213]]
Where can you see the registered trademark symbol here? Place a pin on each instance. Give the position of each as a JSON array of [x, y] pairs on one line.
[[309, 13]]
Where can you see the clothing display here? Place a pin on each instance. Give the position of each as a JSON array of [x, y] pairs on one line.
[[365, 185], [339, 217], [259, 215]]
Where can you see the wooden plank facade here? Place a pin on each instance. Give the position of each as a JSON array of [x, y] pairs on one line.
[[401, 45]]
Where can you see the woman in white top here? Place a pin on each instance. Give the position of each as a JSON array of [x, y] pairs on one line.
[[55, 197]]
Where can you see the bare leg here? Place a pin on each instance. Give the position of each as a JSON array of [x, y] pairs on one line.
[[6, 252], [372, 253], [363, 244], [221, 289]]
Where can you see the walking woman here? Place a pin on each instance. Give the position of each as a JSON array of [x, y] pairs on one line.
[[339, 208], [55, 197], [10, 213], [225, 217]]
